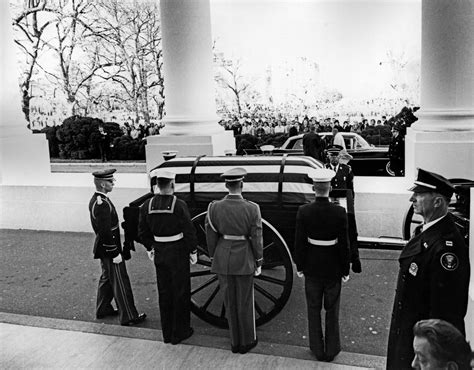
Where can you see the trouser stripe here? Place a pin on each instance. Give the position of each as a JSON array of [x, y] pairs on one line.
[[122, 288]]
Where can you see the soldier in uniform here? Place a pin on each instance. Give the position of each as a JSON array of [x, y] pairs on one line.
[[234, 239], [114, 282], [396, 151], [167, 232], [322, 256], [433, 279], [344, 180]]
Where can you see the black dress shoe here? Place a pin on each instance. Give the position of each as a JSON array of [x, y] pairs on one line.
[[186, 336], [140, 318], [248, 347], [108, 313], [235, 349]]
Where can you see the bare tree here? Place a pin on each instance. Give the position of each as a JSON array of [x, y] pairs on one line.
[[31, 22]]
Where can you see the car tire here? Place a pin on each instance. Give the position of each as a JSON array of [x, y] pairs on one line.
[[388, 170]]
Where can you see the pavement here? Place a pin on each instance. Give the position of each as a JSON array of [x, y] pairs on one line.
[[48, 283]]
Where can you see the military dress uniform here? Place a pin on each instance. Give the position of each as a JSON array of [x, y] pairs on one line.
[[344, 180], [165, 225], [114, 282], [322, 254], [396, 153], [433, 283], [235, 244]]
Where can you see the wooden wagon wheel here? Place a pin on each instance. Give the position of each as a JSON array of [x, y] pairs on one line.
[[272, 287]]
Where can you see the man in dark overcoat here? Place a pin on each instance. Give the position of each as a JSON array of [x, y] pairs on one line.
[[433, 279], [322, 256], [167, 232], [396, 151], [235, 244], [114, 282], [313, 146], [344, 181]]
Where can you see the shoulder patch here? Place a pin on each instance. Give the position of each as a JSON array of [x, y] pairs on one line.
[[449, 261]]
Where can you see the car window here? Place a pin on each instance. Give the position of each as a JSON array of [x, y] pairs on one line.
[[360, 143], [298, 144]]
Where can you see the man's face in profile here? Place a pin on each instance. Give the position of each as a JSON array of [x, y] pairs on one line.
[[424, 360]]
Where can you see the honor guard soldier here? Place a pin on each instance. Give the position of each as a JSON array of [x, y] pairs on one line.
[[396, 151], [433, 279], [234, 240], [167, 232], [322, 256], [114, 282], [344, 180]]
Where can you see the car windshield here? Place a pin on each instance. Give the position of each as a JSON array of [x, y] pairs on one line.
[[351, 141]]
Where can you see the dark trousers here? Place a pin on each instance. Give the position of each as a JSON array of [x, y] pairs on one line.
[[172, 275], [239, 306], [327, 291], [114, 283]]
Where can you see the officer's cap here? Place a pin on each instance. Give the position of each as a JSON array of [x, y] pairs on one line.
[[334, 150], [162, 173], [169, 154], [107, 174], [267, 148], [426, 182], [234, 174], [344, 155], [321, 174]]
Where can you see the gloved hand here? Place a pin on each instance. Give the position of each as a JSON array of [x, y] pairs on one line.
[[345, 279], [151, 255], [258, 271], [299, 274], [117, 259], [193, 258], [356, 266]]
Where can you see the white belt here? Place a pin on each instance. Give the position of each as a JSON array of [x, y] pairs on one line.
[[234, 237], [166, 239], [322, 243]]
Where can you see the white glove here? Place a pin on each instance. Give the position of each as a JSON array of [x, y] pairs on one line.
[[151, 254], [193, 258], [258, 271], [345, 279], [117, 259], [299, 274]]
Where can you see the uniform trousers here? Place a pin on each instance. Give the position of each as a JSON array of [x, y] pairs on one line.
[[172, 276], [239, 305], [114, 283], [327, 291]]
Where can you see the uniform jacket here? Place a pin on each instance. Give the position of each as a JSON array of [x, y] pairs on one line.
[[344, 178], [105, 223], [322, 220], [432, 283], [313, 146], [396, 149], [166, 215], [234, 215]]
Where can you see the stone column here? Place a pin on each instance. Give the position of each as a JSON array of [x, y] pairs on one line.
[[23, 156], [442, 140], [191, 122]]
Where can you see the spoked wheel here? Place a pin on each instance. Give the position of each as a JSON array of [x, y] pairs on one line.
[[410, 222], [272, 287]]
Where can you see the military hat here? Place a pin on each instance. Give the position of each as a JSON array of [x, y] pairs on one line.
[[162, 173], [169, 154], [234, 174], [267, 148], [107, 174], [432, 182], [344, 155], [321, 174], [334, 150]]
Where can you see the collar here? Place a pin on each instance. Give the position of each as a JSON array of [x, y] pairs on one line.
[[99, 192], [431, 223], [234, 196], [322, 199]]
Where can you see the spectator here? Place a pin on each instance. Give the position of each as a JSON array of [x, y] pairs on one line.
[[439, 345]]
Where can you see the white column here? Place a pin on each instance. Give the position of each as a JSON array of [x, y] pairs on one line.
[[191, 122], [442, 140], [23, 156]]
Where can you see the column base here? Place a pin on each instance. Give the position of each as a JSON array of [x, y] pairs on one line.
[[191, 145], [449, 153], [24, 158]]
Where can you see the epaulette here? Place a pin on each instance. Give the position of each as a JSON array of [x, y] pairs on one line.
[[99, 200]]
